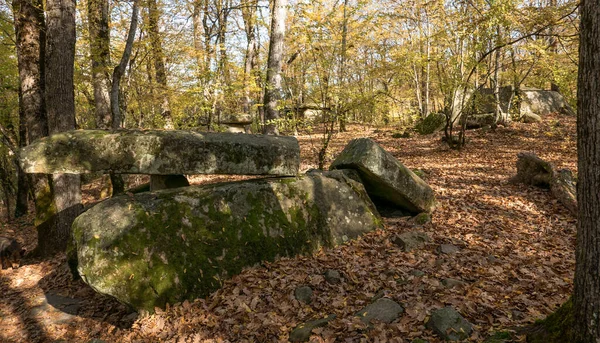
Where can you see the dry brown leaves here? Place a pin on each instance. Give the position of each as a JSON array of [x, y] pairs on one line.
[[516, 257]]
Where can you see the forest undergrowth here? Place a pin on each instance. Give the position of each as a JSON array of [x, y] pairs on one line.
[[516, 259]]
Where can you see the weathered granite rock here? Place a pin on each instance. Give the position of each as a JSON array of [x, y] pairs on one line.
[[408, 241], [302, 332], [449, 324], [543, 102], [385, 177], [161, 247], [161, 153], [383, 310]]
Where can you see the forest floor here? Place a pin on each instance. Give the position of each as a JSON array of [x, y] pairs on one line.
[[516, 257]]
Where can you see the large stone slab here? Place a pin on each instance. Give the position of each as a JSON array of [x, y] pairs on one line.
[[161, 153], [385, 177], [162, 247]]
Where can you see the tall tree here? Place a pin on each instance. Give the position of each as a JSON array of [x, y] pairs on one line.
[[98, 27], [249, 8], [586, 299], [159, 63], [30, 45], [60, 107], [274, 63]]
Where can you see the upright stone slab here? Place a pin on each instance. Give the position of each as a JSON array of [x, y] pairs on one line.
[[157, 152], [162, 247], [385, 177]]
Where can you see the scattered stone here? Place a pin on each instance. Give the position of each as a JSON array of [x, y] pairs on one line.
[[518, 315], [529, 118], [385, 177], [383, 310], [499, 337], [332, 276], [409, 241], [448, 249], [158, 152], [422, 218], [449, 324], [378, 296], [417, 273], [153, 248], [451, 283], [302, 332], [303, 294]]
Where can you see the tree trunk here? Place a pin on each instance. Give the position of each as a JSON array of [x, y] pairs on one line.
[[98, 18], [22, 201], [159, 63], [274, 64], [249, 8], [60, 107], [586, 295], [30, 46]]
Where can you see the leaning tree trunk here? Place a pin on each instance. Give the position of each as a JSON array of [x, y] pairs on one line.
[[30, 46], [274, 63], [586, 298], [60, 107]]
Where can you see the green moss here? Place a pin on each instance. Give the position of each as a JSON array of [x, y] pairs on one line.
[[500, 337], [556, 328], [430, 124]]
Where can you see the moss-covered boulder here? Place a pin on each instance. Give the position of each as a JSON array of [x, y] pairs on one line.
[[432, 123], [385, 177], [161, 153], [161, 247]]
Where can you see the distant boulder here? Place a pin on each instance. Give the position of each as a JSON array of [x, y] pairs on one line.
[[434, 122]]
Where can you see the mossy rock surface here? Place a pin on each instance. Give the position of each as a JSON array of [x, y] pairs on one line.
[[158, 152], [432, 123], [162, 247], [385, 177]]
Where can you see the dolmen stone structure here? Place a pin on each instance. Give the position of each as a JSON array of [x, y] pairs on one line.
[[169, 245], [161, 154]]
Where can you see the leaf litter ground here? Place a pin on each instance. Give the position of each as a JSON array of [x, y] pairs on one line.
[[516, 260]]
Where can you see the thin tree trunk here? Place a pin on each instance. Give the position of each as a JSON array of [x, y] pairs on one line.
[[60, 107], [249, 8], [159, 63], [586, 298], [274, 64], [98, 18], [22, 201], [120, 69]]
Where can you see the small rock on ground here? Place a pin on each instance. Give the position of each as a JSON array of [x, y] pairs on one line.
[[303, 294], [302, 332], [408, 241], [449, 324], [448, 249], [332, 276], [451, 283], [384, 310]]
